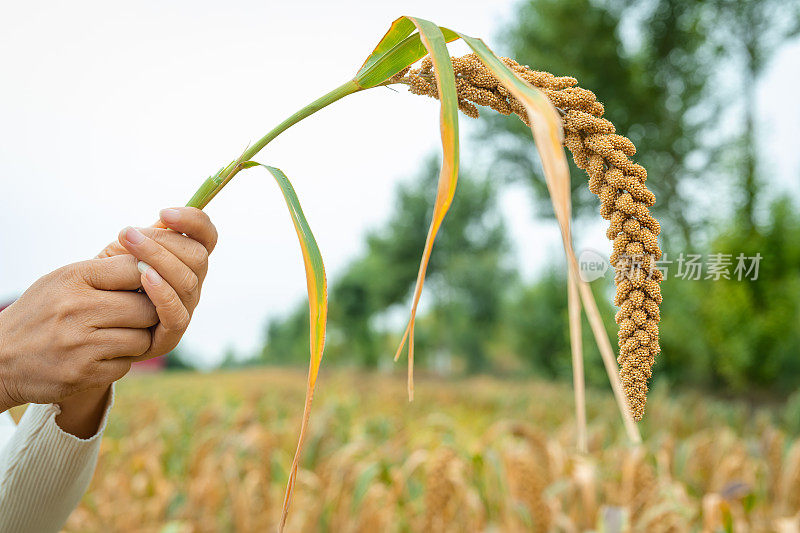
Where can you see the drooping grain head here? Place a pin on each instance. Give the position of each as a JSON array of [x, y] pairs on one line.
[[613, 177], [527, 483]]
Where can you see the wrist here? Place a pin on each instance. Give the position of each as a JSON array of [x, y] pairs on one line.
[[6, 399], [82, 413], [6, 402]]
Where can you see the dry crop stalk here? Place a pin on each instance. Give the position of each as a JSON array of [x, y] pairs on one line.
[[613, 177]]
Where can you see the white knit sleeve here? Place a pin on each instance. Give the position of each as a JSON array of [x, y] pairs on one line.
[[44, 471]]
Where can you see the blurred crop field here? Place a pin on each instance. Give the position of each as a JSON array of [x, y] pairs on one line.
[[209, 452]]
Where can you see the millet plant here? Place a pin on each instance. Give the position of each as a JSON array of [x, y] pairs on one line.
[[559, 113]]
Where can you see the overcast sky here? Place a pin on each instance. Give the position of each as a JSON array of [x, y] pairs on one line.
[[110, 111]]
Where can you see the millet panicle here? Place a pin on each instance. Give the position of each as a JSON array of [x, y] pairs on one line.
[[613, 177]]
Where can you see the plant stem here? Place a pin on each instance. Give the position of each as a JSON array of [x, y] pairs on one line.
[[576, 345], [215, 183]]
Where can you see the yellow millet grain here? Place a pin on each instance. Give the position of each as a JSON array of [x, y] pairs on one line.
[[613, 177]]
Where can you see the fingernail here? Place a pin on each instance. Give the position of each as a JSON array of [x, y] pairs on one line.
[[142, 267], [134, 236], [152, 276], [170, 215]]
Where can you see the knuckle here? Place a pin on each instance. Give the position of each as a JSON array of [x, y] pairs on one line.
[[122, 263], [149, 313], [64, 309], [198, 214], [70, 337], [74, 375], [204, 225], [181, 320], [70, 275], [67, 271], [115, 369], [179, 317], [150, 231], [198, 256], [148, 249], [88, 271], [214, 235], [190, 283], [172, 303], [143, 342], [157, 234], [161, 237], [157, 254], [159, 259], [123, 367], [152, 314]]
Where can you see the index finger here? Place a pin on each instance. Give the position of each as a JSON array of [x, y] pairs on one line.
[[192, 222], [117, 273]]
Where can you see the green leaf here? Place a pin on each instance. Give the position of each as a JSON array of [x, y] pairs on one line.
[[363, 483], [436, 44], [398, 31], [317, 304], [394, 53]]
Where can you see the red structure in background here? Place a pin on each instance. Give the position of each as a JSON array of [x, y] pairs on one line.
[[156, 364]]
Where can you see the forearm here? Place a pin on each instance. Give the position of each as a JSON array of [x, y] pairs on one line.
[[44, 471], [80, 413]]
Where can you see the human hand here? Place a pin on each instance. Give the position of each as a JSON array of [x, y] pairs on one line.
[[74, 329], [175, 251], [80, 327], [81, 413]]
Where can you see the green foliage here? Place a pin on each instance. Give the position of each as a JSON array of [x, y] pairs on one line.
[[176, 360], [655, 65], [791, 414], [288, 339], [467, 276], [652, 83], [739, 335], [651, 65], [537, 327], [752, 33]]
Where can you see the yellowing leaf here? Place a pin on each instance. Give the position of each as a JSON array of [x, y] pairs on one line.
[[435, 42], [548, 134], [398, 49], [317, 307]]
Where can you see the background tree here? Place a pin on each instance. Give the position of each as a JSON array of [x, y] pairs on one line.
[[468, 277], [750, 33], [652, 78], [740, 336], [655, 66]]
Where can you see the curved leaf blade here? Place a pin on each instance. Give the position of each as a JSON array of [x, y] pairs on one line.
[[548, 135], [317, 306], [435, 43], [545, 123], [400, 29], [403, 54]]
